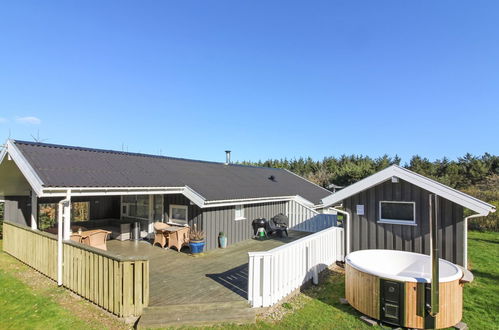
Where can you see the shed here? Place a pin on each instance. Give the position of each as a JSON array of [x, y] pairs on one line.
[[390, 210]]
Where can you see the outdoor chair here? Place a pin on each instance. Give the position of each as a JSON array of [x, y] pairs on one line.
[[278, 224], [160, 234], [179, 238], [96, 239], [76, 238]]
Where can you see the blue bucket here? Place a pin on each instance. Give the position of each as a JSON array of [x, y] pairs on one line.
[[196, 247]]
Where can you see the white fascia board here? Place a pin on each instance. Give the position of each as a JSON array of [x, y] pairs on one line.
[[423, 182], [444, 191], [246, 201], [24, 166], [357, 187], [188, 192], [3, 153], [194, 196], [110, 191]]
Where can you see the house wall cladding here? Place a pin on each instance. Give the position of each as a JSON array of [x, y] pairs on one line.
[[101, 207], [222, 219], [367, 233], [17, 209], [194, 212]]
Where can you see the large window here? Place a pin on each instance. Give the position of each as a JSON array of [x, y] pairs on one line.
[[402, 213], [178, 214], [239, 212], [136, 206]]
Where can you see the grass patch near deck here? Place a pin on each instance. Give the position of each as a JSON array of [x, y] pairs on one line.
[[481, 297], [30, 300]]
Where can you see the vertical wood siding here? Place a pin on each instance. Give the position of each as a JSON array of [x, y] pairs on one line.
[[222, 219], [17, 209], [194, 212], [367, 233], [119, 285]]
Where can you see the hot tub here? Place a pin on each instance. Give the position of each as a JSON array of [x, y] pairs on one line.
[[393, 286]]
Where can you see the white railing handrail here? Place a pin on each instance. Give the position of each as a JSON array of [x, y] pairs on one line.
[[274, 274], [291, 244]]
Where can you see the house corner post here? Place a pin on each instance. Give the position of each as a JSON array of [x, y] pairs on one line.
[[66, 212], [34, 211]]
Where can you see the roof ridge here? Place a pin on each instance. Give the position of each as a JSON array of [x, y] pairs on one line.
[[138, 154]]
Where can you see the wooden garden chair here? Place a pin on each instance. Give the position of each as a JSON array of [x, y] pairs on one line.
[[96, 238], [76, 238], [179, 238], [160, 234]]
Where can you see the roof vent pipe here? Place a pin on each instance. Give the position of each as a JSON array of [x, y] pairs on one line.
[[227, 157]]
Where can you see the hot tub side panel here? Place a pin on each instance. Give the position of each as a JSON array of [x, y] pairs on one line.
[[362, 291], [451, 305], [367, 233]]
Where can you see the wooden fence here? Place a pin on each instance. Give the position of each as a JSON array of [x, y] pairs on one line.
[[115, 283], [303, 218], [276, 273]]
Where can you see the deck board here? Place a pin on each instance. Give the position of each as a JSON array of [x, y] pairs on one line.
[[217, 276]]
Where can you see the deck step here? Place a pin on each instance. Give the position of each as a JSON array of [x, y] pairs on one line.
[[238, 312]]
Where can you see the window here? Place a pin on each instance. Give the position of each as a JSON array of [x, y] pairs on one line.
[[47, 215], [240, 212], [178, 214], [80, 211], [158, 207], [135, 206], [402, 213]]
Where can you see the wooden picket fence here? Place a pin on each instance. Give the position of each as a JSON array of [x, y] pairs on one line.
[[115, 283], [276, 273]]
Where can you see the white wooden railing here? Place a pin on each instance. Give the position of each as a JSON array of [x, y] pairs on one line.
[[303, 218], [274, 274]]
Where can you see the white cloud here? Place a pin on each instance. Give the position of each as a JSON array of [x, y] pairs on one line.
[[29, 120], [3, 120]]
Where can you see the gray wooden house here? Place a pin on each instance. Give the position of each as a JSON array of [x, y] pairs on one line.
[[110, 186], [390, 210]]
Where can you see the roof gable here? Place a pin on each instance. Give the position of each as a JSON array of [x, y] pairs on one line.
[[421, 181]]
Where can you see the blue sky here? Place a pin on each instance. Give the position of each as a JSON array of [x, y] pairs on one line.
[[266, 79]]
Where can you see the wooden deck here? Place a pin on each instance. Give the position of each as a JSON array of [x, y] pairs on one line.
[[216, 276]]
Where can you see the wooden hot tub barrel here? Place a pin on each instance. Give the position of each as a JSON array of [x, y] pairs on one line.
[[362, 291]]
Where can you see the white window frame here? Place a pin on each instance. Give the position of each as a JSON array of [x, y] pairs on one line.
[[178, 221], [398, 222], [239, 212]]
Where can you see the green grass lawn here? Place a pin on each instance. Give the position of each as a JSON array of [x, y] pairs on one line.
[[30, 301]]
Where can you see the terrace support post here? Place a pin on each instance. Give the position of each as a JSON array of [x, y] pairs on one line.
[[67, 215], [34, 211]]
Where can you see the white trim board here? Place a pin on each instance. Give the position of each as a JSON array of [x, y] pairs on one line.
[[421, 181], [29, 173]]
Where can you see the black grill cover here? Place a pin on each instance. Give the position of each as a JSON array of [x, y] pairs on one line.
[[281, 220]]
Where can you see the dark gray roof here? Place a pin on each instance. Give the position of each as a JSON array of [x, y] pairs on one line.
[[65, 166]]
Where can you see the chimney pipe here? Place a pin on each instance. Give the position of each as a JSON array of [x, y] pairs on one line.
[[227, 157]]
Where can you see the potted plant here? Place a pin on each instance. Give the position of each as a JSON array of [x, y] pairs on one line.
[[222, 240], [196, 240]]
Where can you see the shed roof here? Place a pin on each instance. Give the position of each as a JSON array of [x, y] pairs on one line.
[[419, 180], [67, 166]]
